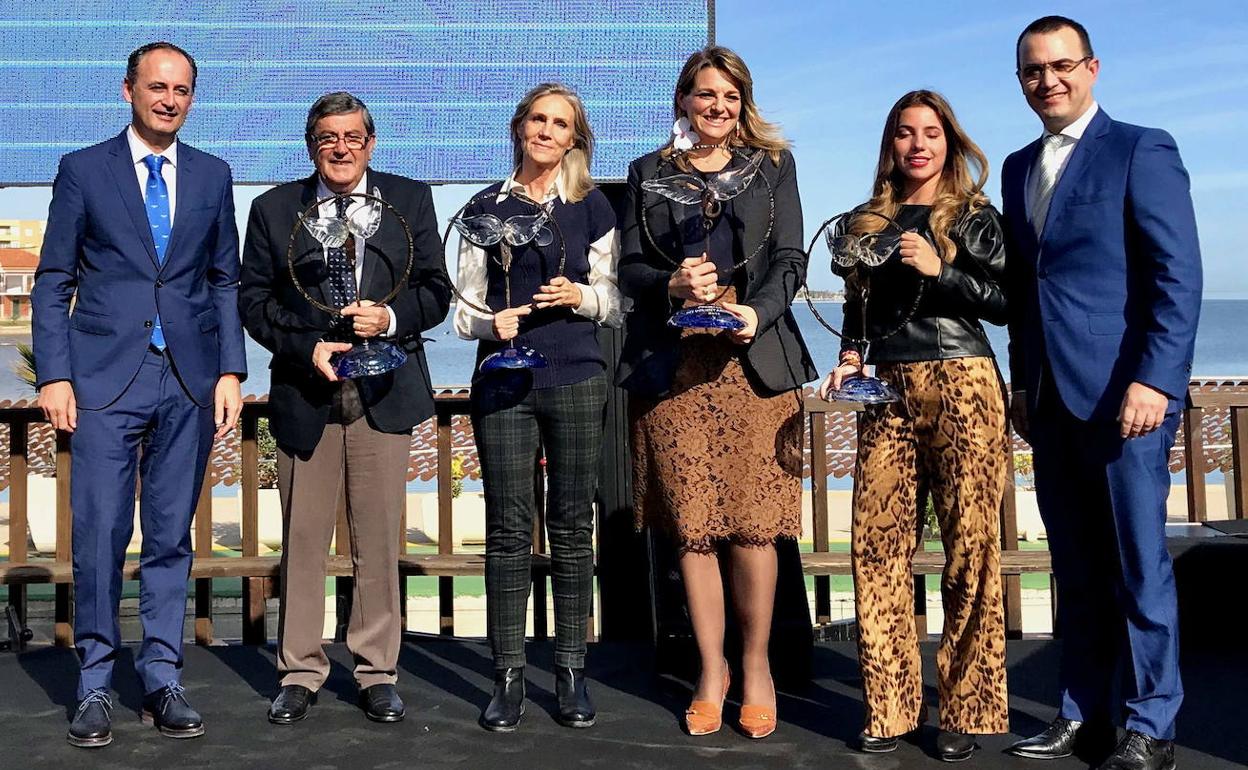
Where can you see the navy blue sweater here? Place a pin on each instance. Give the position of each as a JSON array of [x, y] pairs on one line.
[[569, 341]]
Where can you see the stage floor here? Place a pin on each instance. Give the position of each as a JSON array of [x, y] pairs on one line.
[[445, 683]]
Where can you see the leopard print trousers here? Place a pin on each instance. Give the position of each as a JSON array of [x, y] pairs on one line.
[[947, 436]]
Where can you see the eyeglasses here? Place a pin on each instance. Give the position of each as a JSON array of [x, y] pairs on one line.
[[1034, 73], [353, 141]]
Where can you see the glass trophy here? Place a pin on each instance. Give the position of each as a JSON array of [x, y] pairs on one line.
[[859, 242], [709, 194], [487, 230], [367, 356]]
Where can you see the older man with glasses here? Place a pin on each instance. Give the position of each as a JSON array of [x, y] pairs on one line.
[[329, 429]]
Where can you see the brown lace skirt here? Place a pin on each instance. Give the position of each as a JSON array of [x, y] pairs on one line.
[[716, 461]]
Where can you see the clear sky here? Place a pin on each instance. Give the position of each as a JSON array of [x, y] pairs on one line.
[[829, 71]]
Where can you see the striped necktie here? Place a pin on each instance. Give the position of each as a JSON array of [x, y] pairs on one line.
[[158, 217], [1046, 180]]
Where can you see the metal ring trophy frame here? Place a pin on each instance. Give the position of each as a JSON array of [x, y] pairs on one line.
[[513, 356], [851, 252], [368, 357], [709, 196]]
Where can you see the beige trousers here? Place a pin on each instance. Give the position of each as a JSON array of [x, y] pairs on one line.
[[374, 465]]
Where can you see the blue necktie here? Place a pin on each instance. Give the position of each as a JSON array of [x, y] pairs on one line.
[[341, 268], [158, 217]]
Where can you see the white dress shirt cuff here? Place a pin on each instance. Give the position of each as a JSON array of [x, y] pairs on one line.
[[390, 330], [589, 303]]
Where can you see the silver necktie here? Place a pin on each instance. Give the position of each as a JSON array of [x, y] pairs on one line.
[[1046, 180]]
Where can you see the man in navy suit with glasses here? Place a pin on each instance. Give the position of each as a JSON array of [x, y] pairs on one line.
[[1105, 281], [142, 244]]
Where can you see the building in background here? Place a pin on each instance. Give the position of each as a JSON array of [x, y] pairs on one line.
[[17, 277], [22, 234]]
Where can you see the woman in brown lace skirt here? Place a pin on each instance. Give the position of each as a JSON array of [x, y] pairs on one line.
[[716, 415]]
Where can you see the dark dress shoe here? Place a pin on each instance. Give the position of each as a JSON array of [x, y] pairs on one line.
[[869, 744], [507, 706], [291, 704], [1065, 737], [381, 703], [91, 727], [955, 747], [572, 692], [1138, 751], [168, 709]]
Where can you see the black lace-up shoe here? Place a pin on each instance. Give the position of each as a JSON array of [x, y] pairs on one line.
[[291, 704], [168, 709], [1138, 751], [1064, 737], [91, 727], [381, 703]]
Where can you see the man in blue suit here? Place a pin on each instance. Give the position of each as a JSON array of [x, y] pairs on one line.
[[1105, 282], [141, 241]]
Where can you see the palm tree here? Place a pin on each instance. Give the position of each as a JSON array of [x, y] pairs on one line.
[[24, 367]]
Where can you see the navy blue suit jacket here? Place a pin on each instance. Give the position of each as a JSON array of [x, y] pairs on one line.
[[99, 246], [1110, 291]]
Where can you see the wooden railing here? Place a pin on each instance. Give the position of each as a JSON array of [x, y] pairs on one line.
[[1209, 402], [259, 574], [823, 563], [1204, 396]]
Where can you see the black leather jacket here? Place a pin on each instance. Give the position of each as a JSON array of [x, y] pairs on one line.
[[946, 321]]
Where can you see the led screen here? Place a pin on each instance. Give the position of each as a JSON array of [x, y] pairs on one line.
[[441, 78]]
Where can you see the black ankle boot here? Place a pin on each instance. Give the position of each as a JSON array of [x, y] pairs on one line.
[[575, 707], [955, 747], [507, 706]]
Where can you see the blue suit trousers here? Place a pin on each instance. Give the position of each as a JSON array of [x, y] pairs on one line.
[[153, 418], [1103, 502]]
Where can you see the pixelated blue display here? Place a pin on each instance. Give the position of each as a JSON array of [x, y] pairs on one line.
[[441, 78]]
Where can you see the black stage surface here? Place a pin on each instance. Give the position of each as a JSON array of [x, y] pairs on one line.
[[445, 684]]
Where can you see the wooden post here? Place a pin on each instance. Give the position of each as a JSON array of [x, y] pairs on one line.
[[253, 587], [819, 507], [540, 630], [203, 550], [403, 551], [1053, 603], [1239, 446], [446, 531], [1012, 594], [64, 611], [18, 502], [344, 586], [1194, 454]]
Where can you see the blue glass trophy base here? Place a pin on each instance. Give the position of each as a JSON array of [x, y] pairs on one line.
[[517, 357], [865, 390], [368, 359], [705, 317]]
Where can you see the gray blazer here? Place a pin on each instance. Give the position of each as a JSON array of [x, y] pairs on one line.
[[777, 360]]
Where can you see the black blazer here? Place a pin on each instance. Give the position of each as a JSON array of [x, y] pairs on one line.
[[777, 359], [277, 316]]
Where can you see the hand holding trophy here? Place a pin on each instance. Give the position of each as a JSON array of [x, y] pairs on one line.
[[487, 231], [337, 235], [708, 193], [861, 241]]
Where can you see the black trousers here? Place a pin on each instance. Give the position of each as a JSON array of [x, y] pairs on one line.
[[510, 422]]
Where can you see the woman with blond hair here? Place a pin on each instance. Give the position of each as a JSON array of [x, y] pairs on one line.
[[946, 435], [716, 417], [558, 407]]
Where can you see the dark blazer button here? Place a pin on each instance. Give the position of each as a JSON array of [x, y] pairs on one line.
[[147, 324], [1042, 274], [160, 284]]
